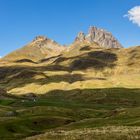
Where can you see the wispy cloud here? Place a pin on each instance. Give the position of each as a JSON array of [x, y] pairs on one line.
[[134, 15]]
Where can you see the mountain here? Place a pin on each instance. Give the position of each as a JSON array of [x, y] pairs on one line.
[[93, 60], [41, 47], [87, 90]]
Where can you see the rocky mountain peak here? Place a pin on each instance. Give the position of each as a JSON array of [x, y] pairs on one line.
[[40, 38], [80, 37], [43, 40], [100, 36]]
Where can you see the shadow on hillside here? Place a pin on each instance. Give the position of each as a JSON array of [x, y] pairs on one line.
[[19, 77], [112, 96], [25, 60], [85, 48], [6, 71], [50, 58], [62, 59], [104, 56], [97, 60]]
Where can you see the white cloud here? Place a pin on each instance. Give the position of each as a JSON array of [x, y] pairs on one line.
[[134, 15]]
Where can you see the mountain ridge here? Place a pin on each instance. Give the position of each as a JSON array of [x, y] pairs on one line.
[[44, 46], [43, 65]]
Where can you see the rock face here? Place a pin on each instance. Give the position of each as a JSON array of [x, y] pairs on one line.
[[80, 37], [100, 36], [37, 38], [44, 44]]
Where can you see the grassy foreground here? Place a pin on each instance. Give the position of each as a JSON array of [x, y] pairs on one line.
[[73, 114]]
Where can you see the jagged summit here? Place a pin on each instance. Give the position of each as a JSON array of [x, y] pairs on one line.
[[100, 36], [43, 40], [80, 37], [40, 38]]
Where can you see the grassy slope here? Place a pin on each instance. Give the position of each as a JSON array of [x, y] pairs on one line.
[[78, 68]]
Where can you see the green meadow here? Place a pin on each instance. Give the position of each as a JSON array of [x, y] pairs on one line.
[[88, 110]]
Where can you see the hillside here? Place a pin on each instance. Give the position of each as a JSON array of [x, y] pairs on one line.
[[83, 66], [90, 89], [41, 47]]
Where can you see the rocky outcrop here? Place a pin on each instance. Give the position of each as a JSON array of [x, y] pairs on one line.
[[100, 36], [80, 37], [45, 44], [40, 38]]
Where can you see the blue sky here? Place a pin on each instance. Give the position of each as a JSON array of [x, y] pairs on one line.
[[61, 20]]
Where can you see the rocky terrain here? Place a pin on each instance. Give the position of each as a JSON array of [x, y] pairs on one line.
[[93, 83], [100, 36]]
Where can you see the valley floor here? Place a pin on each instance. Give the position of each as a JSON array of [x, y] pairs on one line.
[[100, 114]]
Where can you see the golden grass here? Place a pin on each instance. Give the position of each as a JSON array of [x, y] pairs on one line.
[[122, 75], [103, 133]]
